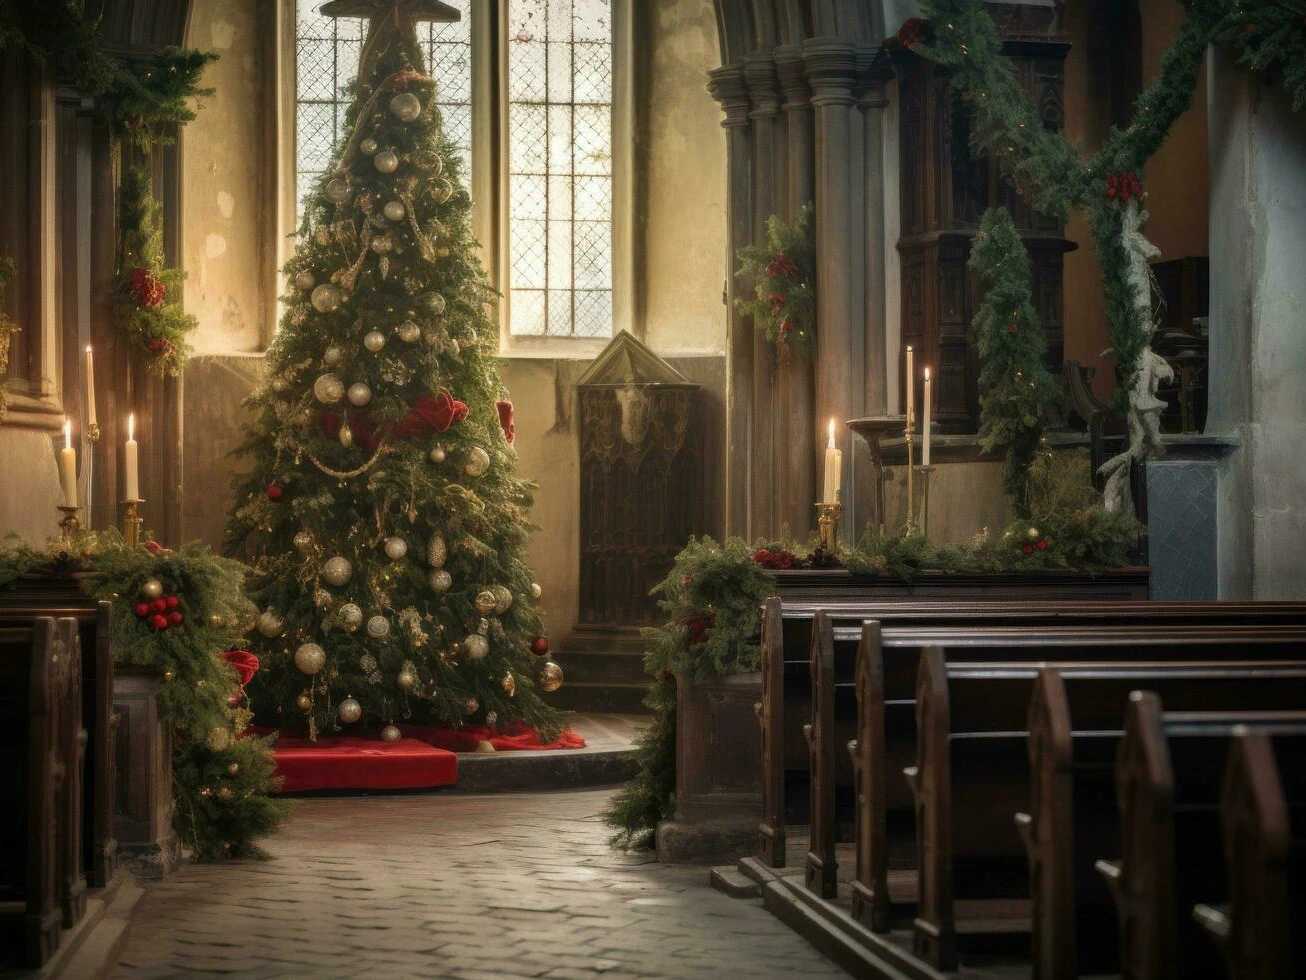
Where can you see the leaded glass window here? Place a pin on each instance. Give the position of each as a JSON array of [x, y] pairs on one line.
[[327, 50], [560, 167]]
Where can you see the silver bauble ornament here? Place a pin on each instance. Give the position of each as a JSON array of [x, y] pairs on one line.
[[550, 676], [152, 588], [395, 548], [359, 394], [438, 455], [327, 298], [437, 552], [476, 646], [433, 303], [350, 710], [442, 190], [502, 599], [485, 602], [269, 623], [391, 734], [478, 462], [394, 210], [536, 590], [305, 280], [406, 107], [351, 617], [338, 570], [409, 332], [1032, 534], [310, 658], [304, 702], [387, 161], [332, 356], [374, 340], [378, 627], [337, 190], [368, 146], [328, 389], [406, 680], [303, 540], [441, 580]]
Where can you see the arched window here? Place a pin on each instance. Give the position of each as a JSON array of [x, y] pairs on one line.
[[526, 88]]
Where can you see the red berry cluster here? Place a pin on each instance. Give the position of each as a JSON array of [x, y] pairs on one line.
[[781, 559], [1124, 186], [698, 627], [159, 346], [782, 267], [911, 32], [160, 613], [1042, 544], [147, 291]]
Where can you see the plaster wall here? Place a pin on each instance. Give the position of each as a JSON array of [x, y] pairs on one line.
[[1258, 332]]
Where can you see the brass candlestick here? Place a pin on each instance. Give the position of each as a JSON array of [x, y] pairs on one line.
[[131, 521], [827, 522], [911, 468], [69, 525], [925, 472]]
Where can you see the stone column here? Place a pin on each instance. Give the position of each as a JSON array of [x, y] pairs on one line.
[[1258, 341], [728, 86], [797, 467], [831, 72], [871, 100], [767, 438]]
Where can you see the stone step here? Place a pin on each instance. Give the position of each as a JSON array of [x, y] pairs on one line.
[[602, 666], [610, 698], [731, 882]]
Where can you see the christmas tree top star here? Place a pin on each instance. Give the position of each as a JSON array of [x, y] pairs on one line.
[[391, 22]]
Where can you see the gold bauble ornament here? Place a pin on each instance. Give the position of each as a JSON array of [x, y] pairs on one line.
[[233, 769], [304, 702], [394, 210], [351, 617], [349, 711], [326, 298], [270, 624], [374, 340], [169, 675], [395, 548], [485, 602], [406, 680], [390, 733], [303, 541], [536, 590], [387, 161], [1032, 534], [368, 146], [441, 580], [305, 280], [332, 356], [438, 455], [509, 684], [406, 107], [328, 389], [502, 599], [310, 658], [477, 646], [378, 627], [409, 332], [152, 588], [478, 462], [550, 676], [337, 190], [338, 570]]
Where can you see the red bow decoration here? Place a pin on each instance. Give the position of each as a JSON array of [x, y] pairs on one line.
[[146, 289], [911, 32], [431, 414], [1124, 186], [360, 424], [507, 420], [245, 663], [154, 548]]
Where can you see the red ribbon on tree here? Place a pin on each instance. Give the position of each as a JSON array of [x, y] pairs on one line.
[[507, 420], [431, 414], [245, 663]]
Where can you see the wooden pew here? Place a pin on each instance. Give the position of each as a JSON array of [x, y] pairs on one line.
[[1263, 817], [786, 644], [1169, 829], [40, 722], [1075, 719], [61, 596]]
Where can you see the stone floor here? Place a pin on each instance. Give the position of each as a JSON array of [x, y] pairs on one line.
[[456, 886]]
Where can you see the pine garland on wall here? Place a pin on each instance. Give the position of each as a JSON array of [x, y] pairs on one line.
[[783, 272], [147, 301]]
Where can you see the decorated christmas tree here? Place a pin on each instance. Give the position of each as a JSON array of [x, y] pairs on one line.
[[1018, 394], [383, 517]]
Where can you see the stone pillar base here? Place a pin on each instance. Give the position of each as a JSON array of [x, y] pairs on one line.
[[151, 862], [706, 842]]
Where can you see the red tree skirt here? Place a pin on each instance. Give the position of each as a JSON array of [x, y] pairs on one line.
[[469, 737]]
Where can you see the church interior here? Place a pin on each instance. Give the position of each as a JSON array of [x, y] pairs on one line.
[[653, 488]]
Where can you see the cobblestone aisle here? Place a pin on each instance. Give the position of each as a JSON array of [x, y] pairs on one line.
[[459, 887]]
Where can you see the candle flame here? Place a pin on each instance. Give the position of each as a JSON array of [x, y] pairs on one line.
[[131, 426], [831, 433], [909, 348], [927, 374], [88, 348], [67, 433]]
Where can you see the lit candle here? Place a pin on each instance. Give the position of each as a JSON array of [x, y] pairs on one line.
[[833, 470], [911, 385], [130, 461], [68, 466], [925, 446], [90, 388]]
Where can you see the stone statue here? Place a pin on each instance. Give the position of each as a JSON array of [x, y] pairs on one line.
[[1144, 420]]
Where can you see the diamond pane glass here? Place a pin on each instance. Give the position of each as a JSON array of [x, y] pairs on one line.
[[327, 50], [560, 167]]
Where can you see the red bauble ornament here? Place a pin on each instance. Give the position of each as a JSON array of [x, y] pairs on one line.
[[1028, 549], [159, 621], [175, 618], [172, 601], [540, 646], [275, 492], [159, 605], [141, 609]]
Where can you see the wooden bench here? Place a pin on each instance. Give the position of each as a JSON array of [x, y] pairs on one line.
[[40, 722], [1075, 728], [1263, 816], [61, 596], [1168, 792]]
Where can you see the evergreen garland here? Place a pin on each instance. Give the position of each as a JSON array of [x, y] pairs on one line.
[[222, 777], [783, 272], [144, 107], [1018, 395], [147, 298], [7, 330]]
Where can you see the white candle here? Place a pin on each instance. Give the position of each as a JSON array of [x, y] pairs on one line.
[[68, 466], [833, 470], [130, 461], [911, 385], [925, 446], [90, 388]]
